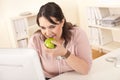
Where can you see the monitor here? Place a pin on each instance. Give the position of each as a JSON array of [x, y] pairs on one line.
[[20, 64]]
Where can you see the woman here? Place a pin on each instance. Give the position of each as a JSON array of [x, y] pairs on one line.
[[71, 43]]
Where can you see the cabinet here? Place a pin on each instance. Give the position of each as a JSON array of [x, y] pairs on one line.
[[105, 37], [22, 26]]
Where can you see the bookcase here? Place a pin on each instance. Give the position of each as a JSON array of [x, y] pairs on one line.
[[104, 37], [22, 26]]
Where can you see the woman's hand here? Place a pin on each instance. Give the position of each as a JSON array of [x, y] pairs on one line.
[[59, 50]]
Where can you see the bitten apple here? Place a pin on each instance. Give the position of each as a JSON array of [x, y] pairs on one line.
[[49, 44]]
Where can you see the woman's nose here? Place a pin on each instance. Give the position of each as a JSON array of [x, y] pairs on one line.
[[48, 33]]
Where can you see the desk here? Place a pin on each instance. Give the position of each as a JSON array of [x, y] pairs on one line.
[[101, 70]]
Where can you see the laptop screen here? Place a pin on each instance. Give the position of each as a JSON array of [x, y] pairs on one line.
[[20, 64]]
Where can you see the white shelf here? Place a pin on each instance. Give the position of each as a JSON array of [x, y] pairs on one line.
[[105, 27], [93, 46], [22, 37], [21, 25], [105, 3], [108, 47], [108, 37], [111, 46], [26, 16]]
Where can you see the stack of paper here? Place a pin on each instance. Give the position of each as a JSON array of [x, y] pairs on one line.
[[110, 21]]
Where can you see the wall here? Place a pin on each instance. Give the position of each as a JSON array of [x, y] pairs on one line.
[[12, 8], [5, 40]]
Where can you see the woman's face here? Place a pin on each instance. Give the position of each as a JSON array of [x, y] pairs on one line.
[[51, 30]]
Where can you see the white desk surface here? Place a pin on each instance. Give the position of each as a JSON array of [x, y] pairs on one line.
[[101, 70]]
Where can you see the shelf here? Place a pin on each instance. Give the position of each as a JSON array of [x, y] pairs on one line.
[[104, 33], [22, 37], [26, 16], [108, 47], [104, 3], [96, 47], [23, 26], [111, 46], [109, 28]]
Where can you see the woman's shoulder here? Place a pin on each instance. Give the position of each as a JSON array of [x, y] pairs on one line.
[[77, 34], [35, 41], [77, 31]]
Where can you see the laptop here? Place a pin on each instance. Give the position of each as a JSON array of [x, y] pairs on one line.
[[20, 64]]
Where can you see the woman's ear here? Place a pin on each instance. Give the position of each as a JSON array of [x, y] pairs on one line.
[[63, 21]]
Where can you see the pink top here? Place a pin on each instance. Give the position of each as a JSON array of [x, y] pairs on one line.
[[78, 45]]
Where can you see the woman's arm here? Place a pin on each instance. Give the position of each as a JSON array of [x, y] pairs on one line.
[[81, 59], [79, 65]]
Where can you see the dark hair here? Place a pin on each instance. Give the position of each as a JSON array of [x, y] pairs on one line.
[[51, 9]]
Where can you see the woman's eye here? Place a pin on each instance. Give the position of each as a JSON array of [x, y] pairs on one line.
[[52, 26], [42, 27]]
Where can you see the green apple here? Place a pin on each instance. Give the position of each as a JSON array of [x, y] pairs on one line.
[[48, 43]]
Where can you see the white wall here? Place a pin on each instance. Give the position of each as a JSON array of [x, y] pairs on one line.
[[12, 8], [5, 40]]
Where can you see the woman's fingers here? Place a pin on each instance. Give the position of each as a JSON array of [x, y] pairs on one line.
[[55, 42]]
